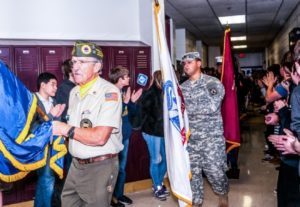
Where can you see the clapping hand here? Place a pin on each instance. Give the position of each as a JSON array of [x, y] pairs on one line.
[[271, 119], [269, 80], [136, 95], [297, 67], [126, 95], [284, 143], [57, 110]]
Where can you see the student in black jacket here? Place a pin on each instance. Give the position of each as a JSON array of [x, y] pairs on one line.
[[151, 109]]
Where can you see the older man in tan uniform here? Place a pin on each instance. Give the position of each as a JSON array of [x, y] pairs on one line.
[[94, 122]]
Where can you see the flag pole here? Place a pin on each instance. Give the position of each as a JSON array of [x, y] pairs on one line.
[[42, 113]]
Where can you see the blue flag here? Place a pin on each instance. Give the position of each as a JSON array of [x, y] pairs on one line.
[[22, 151]]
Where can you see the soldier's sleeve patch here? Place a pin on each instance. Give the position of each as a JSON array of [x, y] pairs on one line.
[[212, 88], [111, 97], [213, 91]]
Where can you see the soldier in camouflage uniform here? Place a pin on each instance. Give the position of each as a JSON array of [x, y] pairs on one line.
[[203, 96]]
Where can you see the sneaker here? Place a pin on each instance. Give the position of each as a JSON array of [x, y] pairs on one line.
[[125, 200], [159, 194], [233, 173], [118, 204], [165, 190], [267, 157]]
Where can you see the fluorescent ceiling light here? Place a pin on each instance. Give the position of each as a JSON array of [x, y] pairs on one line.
[[237, 19], [239, 38], [239, 46]]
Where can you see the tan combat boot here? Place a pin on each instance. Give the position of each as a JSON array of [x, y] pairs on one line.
[[223, 200]]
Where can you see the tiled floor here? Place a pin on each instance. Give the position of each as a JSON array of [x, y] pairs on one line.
[[256, 185], [257, 182]]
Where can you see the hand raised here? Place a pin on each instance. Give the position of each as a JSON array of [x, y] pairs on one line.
[[270, 79], [271, 119], [297, 67], [286, 147], [126, 95], [57, 110], [136, 95]]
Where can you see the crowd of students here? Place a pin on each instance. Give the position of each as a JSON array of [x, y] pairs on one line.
[[280, 88]]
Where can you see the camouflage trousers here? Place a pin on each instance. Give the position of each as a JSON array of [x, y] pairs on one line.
[[208, 155]]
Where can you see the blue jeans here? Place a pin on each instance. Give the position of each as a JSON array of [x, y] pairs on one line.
[[119, 187], [59, 183], [44, 186], [158, 163]]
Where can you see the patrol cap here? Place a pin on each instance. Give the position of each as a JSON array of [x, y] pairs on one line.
[[191, 56], [87, 49], [219, 60]]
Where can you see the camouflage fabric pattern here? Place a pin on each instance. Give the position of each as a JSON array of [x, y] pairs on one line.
[[206, 146]]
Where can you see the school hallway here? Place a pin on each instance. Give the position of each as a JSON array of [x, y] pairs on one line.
[[256, 185], [257, 182]]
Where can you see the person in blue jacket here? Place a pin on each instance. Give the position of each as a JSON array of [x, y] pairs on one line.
[[119, 76]]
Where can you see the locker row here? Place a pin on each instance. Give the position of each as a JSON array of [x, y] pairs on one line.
[[28, 62]]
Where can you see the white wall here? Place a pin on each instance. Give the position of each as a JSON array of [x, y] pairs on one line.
[[190, 42], [180, 43], [62, 21], [280, 45], [212, 53], [70, 19], [202, 49], [251, 59], [204, 55], [147, 29], [185, 42], [173, 40], [199, 49]]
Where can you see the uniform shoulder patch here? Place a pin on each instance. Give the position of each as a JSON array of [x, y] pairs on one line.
[[212, 88], [213, 91], [111, 96]]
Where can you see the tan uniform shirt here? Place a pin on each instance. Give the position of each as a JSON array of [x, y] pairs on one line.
[[102, 106]]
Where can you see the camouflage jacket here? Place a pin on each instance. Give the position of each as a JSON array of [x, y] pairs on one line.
[[203, 99]]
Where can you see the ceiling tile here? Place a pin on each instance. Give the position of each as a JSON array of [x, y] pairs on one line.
[[265, 18]]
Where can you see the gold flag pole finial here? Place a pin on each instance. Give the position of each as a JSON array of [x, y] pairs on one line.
[[156, 2], [227, 26]]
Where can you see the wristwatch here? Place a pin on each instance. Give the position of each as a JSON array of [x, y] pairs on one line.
[[71, 132]]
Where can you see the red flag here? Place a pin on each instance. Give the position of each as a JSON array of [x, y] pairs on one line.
[[230, 112]]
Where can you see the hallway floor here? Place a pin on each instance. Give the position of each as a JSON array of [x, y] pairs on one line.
[[257, 182], [256, 185]]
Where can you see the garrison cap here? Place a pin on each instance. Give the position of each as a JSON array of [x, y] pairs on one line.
[[219, 60], [87, 49], [191, 56]]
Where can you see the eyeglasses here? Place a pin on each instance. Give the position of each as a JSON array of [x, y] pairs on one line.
[[80, 62]]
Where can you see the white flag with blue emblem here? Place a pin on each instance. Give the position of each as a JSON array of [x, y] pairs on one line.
[[176, 128]]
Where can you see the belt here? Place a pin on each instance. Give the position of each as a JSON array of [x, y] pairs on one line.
[[95, 159]]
